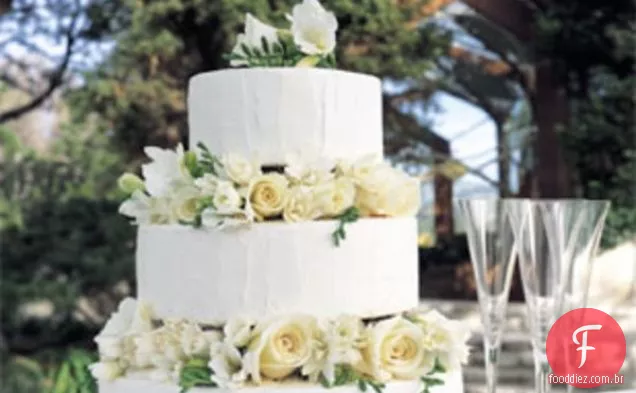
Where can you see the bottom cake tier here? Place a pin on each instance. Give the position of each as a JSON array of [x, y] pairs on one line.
[[136, 384]]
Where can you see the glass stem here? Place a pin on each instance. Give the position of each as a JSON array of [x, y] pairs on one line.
[[541, 371], [491, 353]]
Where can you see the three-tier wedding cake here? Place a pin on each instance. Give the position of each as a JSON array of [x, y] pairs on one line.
[[282, 256]]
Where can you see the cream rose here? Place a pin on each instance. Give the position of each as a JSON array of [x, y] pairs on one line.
[[395, 350], [301, 205], [239, 169], [279, 347], [443, 337], [308, 172], [336, 196], [268, 195], [365, 171], [393, 194]]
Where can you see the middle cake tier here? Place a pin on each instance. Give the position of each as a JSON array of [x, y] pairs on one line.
[[277, 268]]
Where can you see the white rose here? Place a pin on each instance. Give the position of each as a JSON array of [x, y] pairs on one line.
[[391, 193], [165, 171], [226, 199], [313, 28], [239, 169], [279, 347], [227, 365], [308, 172], [268, 195], [301, 205], [207, 184], [106, 370], [255, 31], [395, 350], [444, 337], [238, 331], [365, 171], [336, 196]]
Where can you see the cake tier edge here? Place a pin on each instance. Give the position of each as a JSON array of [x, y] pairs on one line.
[[209, 276], [453, 383], [272, 112]]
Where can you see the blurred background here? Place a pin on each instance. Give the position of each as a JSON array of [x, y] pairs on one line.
[[531, 98]]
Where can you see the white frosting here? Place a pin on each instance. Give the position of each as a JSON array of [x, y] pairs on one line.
[[272, 112], [453, 384], [279, 268]]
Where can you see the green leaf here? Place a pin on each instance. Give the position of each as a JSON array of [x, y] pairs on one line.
[[195, 373], [350, 215], [246, 49], [209, 162], [265, 46], [63, 379], [192, 164]]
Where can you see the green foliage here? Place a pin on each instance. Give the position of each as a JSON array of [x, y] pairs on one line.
[[49, 373], [430, 380], [281, 54], [73, 375], [81, 164], [65, 251], [61, 240], [346, 375], [139, 92], [350, 215], [593, 47], [195, 373]]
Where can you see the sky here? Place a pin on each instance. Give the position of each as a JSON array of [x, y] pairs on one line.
[[473, 142]]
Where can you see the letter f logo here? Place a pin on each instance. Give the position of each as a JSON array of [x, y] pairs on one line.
[[583, 345]]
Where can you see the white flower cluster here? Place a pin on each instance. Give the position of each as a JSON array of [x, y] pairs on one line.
[[179, 187], [313, 31], [404, 347]]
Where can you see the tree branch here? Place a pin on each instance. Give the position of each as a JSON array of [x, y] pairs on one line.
[[56, 79], [411, 128]]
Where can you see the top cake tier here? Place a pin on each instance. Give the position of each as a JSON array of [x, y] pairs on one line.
[[270, 113]]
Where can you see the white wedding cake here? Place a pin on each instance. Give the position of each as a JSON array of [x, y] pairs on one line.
[[282, 257]]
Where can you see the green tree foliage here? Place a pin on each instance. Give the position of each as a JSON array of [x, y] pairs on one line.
[[61, 240], [593, 45], [140, 91], [48, 373]]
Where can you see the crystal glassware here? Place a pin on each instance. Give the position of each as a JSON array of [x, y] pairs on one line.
[[555, 240], [492, 253]]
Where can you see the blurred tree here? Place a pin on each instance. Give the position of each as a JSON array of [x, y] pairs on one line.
[[63, 248], [140, 91], [44, 42], [573, 61]]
